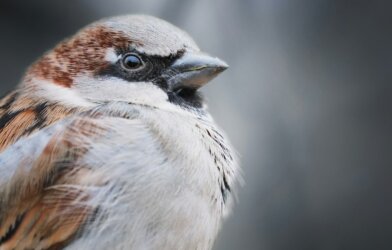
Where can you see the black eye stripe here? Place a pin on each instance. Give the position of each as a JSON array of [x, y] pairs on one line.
[[152, 69]]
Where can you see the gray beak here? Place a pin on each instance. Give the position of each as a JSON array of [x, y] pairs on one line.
[[193, 70]]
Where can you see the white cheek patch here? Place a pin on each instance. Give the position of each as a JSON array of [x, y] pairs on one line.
[[59, 94], [111, 55], [115, 89]]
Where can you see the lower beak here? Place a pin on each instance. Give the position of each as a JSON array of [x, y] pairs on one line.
[[194, 70]]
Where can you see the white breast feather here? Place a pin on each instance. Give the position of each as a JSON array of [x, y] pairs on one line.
[[162, 186]]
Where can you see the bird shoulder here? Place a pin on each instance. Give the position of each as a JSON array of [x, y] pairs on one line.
[[21, 115]]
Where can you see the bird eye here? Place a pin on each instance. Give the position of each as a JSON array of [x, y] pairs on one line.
[[132, 62]]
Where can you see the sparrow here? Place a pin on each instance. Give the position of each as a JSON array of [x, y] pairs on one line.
[[107, 144]]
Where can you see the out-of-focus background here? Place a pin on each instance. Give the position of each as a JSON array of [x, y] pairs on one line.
[[306, 101]]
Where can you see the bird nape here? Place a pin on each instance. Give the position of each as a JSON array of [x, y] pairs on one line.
[[107, 144]]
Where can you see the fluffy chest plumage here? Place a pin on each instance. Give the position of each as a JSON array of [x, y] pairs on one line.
[[197, 146], [179, 198]]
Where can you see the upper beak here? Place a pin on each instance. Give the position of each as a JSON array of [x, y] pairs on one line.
[[193, 70]]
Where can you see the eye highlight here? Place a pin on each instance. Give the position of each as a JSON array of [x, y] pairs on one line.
[[132, 62]]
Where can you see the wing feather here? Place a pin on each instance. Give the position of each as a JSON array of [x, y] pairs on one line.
[[43, 204]]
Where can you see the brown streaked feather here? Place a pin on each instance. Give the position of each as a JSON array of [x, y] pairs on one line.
[[44, 206], [83, 52], [21, 116]]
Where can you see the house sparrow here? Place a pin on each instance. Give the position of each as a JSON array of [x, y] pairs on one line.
[[107, 144]]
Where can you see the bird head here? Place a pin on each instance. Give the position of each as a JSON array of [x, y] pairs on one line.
[[137, 59]]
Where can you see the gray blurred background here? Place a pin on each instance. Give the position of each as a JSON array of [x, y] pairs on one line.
[[306, 102]]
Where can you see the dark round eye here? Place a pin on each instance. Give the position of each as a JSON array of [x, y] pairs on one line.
[[132, 62]]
